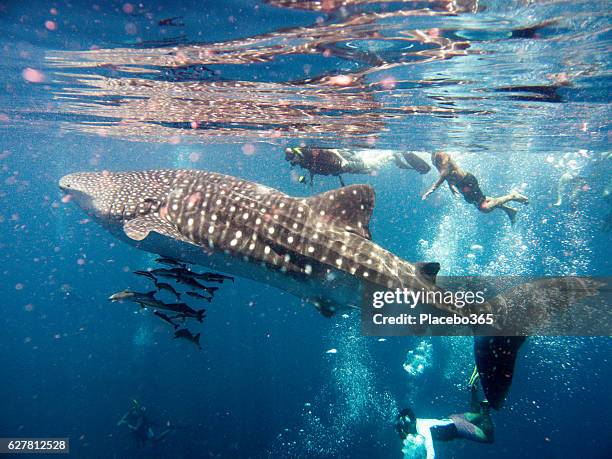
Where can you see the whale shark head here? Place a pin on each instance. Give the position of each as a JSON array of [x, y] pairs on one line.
[[113, 198], [94, 192]]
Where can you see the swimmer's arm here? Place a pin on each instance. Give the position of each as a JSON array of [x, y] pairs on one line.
[[424, 428], [436, 185], [452, 188], [122, 420]]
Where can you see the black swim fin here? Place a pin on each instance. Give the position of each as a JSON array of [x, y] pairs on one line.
[[416, 163], [495, 359]]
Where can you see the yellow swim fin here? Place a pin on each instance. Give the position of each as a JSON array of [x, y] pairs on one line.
[[474, 377]]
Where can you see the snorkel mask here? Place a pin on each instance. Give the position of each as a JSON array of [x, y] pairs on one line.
[[406, 423], [294, 155]]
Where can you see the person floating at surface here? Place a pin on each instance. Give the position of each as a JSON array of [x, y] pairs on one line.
[[569, 186], [338, 161], [418, 435], [139, 425], [465, 183]]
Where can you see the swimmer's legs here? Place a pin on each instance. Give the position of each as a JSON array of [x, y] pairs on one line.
[[490, 204], [518, 197], [510, 212]]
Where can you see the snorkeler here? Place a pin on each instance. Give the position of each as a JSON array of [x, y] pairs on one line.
[[335, 162], [418, 435], [569, 186], [465, 183], [139, 425]]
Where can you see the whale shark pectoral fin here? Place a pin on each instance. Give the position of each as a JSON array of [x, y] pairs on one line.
[[429, 271], [139, 228], [348, 207]]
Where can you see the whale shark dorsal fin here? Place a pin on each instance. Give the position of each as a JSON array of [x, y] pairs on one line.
[[349, 207], [139, 228], [428, 270]]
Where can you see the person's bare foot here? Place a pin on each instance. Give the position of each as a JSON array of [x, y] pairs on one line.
[[518, 197], [511, 213]]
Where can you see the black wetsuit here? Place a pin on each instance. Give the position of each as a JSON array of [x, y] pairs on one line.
[[321, 161], [460, 427], [445, 432]]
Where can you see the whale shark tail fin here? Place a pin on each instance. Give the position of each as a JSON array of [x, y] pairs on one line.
[[495, 359], [349, 207], [552, 306]]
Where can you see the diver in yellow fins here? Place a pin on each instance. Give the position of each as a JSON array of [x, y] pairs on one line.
[[338, 161], [495, 358], [418, 435]]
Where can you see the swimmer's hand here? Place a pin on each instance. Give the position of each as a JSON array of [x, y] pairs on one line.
[[427, 193]]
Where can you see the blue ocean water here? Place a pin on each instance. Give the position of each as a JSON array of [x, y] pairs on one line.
[[516, 91]]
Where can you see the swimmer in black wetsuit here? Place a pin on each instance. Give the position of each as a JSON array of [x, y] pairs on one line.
[[465, 183], [419, 435], [338, 161]]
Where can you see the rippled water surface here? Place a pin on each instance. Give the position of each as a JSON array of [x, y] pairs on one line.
[[475, 75]]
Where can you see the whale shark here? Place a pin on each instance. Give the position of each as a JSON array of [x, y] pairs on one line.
[[318, 248]]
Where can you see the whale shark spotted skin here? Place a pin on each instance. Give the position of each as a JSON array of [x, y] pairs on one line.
[[318, 248]]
